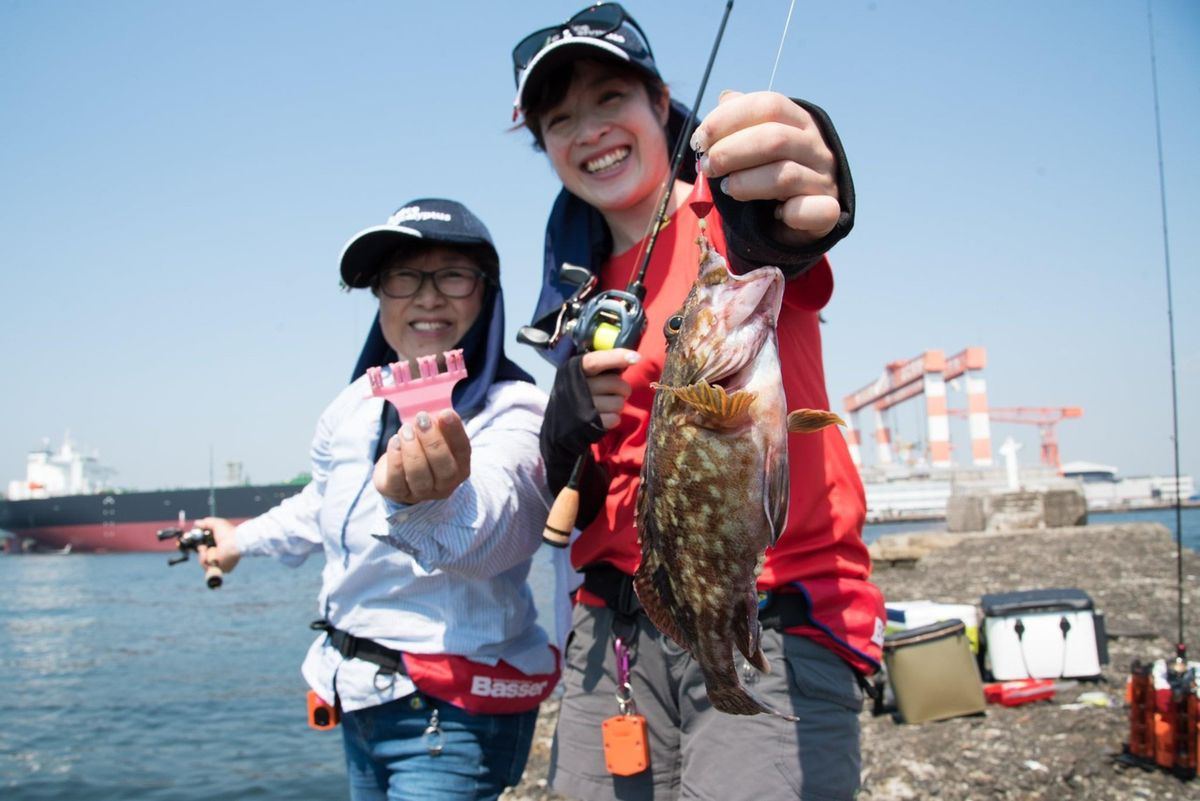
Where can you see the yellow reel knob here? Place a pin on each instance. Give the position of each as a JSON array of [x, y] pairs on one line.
[[605, 336]]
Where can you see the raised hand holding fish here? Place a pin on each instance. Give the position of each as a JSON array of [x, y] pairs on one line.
[[769, 148]]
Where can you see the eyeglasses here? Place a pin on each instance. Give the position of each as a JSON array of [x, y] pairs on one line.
[[593, 22], [452, 282]]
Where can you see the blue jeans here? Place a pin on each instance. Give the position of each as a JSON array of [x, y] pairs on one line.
[[388, 753]]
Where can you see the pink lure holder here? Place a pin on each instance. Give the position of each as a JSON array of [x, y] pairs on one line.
[[429, 392]]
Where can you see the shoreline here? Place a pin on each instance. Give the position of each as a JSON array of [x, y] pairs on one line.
[[1059, 749], [883, 519]]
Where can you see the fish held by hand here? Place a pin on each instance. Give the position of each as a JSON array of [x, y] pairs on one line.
[[714, 484]]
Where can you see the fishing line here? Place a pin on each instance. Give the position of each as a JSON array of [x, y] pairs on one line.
[[782, 39], [1162, 199]]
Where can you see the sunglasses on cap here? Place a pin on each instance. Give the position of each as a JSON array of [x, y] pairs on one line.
[[594, 22]]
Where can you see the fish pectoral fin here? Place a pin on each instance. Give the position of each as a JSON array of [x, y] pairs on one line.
[[712, 400], [806, 421]]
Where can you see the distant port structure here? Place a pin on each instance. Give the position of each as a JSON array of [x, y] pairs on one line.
[[914, 481], [928, 375]]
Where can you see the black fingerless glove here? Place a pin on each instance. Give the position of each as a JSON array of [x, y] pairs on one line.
[[748, 225], [569, 429]]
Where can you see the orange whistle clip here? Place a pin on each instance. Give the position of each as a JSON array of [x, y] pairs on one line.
[[321, 716], [626, 750]]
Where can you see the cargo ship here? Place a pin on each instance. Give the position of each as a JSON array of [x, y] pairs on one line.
[[64, 505]]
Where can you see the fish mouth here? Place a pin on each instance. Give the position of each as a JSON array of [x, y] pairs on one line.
[[759, 292], [750, 318]]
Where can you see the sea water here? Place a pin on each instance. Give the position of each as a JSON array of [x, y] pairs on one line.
[[126, 679], [1189, 520]]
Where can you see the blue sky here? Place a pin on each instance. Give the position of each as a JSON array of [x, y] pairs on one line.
[[177, 181]]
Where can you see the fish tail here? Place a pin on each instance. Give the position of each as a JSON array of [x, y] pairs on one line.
[[737, 700]]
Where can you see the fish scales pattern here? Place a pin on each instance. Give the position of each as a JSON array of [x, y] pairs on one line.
[[714, 480], [713, 544]]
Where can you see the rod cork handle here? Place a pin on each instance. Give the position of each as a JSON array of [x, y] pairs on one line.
[[565, 509], [213, 577]]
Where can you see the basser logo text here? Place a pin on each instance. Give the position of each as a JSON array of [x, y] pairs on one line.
[[506, 688]]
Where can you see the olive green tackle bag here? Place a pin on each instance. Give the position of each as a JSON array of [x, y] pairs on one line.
[[932, 672]]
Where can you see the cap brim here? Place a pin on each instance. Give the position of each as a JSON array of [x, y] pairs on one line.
[[557, 53], [363, 254]]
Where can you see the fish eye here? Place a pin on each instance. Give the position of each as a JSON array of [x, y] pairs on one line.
[[673, 326]]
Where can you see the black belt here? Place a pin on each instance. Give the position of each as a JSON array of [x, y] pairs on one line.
[[782, 610], [613, 587], [351, 647], [776, 610]]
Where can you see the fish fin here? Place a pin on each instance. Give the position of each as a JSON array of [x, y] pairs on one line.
[[652, 584], [806, 421], [747, 633], [712, 400], [737, 700], [776, 491]]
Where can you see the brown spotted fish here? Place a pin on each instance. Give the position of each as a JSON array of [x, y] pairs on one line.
[[714, 488]]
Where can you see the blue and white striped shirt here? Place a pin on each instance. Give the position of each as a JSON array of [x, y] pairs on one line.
[[446, 576]]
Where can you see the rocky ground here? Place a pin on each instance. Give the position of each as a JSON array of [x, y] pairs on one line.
[[1059, 749]]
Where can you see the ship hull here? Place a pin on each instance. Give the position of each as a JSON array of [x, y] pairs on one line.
[[127, 521]]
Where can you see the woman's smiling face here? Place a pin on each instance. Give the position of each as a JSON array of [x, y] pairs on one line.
[[606, 139], [428, 322]]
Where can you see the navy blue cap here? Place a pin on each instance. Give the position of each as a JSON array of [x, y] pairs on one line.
[[426, 220], [625, 43]]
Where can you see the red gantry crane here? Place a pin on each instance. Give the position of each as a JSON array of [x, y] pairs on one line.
[[1046, 418], [925, 375], [928, 374]]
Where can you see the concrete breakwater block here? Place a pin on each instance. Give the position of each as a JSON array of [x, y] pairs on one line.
[[901, 549], [1016, 510]]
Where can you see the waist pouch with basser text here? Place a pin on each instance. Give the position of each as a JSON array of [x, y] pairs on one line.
[[476, 687]]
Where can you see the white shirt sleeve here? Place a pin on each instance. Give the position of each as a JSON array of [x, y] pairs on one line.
[[493, 520], [291, 531]]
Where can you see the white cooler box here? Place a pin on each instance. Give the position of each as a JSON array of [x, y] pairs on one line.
[[1043, 634]]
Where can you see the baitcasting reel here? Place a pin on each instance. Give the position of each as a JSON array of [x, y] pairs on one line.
[[191, 540], [610, 319]]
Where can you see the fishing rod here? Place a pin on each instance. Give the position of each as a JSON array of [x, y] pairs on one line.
[[1162, 199], [212, 485], [1173, 745], [617, 318], [192, 539], [676, 164]]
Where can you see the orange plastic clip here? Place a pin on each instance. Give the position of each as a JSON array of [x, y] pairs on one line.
[[321, 716], [626, 750]]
